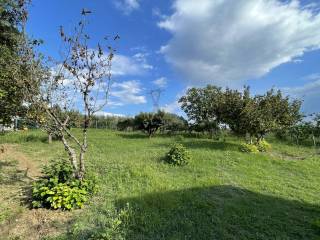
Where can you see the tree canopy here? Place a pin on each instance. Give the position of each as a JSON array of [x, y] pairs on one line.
[[12, 14], [257, 115]]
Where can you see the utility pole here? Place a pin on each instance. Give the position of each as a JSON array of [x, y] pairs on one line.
[[155, 96]]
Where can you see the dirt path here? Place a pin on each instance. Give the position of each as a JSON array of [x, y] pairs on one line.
[[11, 152], [17, 221]]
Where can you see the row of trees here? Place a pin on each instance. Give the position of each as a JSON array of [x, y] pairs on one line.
[[211, 107], [303, 131]]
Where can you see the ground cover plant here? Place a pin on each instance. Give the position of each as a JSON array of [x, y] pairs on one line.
[[221, 194], [58, 189]]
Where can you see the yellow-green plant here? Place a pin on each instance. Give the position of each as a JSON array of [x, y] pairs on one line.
[[178, 155], [248, 148], [59, 190]]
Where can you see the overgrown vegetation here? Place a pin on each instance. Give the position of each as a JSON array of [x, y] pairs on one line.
[[58, 189]]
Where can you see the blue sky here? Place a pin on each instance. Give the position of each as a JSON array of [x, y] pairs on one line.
[[177, 44]]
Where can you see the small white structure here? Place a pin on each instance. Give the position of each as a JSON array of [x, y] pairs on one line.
[[9, 127]]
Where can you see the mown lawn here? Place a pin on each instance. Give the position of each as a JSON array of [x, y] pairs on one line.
[[221, 194]]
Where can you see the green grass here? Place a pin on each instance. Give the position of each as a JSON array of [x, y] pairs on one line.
[[221, 194]]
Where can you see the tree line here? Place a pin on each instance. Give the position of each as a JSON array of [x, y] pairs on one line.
[[212, 107]]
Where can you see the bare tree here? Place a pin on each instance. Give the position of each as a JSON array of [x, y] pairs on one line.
[[81, 80]]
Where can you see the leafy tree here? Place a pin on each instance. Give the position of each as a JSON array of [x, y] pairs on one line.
[[269, 112], [12, 15], [126, 124], [149, 122], [316, 121], [301, 132], [203, 107], [231, 107], [209, 107], [174, 123], [107, 122]]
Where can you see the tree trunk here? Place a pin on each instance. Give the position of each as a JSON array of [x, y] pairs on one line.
[[314, 141], [212, 133], [49, 138], [83, 150], [72, 156], [82, 166]]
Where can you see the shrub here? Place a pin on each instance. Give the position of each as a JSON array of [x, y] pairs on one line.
[[263, 146], [60, 169], [178, 155], [248, 148], [59, 190]]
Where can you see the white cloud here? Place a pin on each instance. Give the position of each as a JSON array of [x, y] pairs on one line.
[[142, 58], [304, 90], [172, 107], [157, 12], [175, 106], [109, 114], [313, 76], [160, 82], [309, 93], [127, 92], [227, 42], [127, 6], [120, 94], [124, 65]]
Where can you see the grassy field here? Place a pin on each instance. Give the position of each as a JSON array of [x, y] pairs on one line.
[[221, 194]]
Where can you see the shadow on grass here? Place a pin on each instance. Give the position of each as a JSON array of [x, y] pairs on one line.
[[220, 212]]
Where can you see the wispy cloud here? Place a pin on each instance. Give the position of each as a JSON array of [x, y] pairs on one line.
[[127, 92], [308, 92], [160, 82], [127, 6], [130, 66]]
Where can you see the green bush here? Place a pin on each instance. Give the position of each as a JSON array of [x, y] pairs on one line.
[[248, 148], [263, 146], [178, 155], [58, 168], [59, 190]]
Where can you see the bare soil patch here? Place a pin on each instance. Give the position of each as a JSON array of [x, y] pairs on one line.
[[17, 220]]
